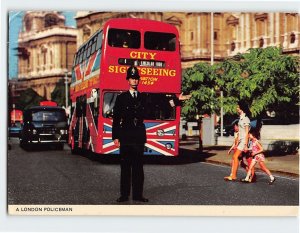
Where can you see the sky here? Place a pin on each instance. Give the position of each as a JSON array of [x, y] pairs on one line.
[[15, 26]]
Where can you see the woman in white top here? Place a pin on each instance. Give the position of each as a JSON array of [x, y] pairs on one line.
[[244, 127]]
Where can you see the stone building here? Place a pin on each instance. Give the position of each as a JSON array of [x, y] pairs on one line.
[[232, 32], [45, 52]]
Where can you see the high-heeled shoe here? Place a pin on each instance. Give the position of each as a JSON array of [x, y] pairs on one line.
[[245, 181], [272, 181], [229, 178]]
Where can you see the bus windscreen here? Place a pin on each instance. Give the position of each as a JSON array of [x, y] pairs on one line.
[[158, 106]]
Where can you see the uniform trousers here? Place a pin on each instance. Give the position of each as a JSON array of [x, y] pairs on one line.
[[132, 172]]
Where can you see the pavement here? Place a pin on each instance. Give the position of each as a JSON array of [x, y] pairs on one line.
[[280, 163]]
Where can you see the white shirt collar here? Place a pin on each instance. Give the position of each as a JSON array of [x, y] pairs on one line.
[[242, 116], [132, 91]]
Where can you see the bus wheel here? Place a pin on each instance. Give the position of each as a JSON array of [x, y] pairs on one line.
[[74, 151], [74, 148], [23, 144], [60, 146]]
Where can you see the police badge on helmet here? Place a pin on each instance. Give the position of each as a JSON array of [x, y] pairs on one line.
[[132, 72]]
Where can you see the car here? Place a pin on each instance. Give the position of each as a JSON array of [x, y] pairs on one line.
[[218, 131], [228, 130], [45, 125], [15, 129]]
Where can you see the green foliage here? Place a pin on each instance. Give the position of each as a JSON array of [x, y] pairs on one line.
[[265, 78], [28, 98], [59, 93], [199, 81]]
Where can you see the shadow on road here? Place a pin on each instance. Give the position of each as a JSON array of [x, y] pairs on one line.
[[42, 147], [185, 156]]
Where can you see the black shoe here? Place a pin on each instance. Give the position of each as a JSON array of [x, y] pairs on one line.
[[141, 199], [122, 199]]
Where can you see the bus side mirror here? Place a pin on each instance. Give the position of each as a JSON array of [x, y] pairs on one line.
[[96, 103], [94, 95]]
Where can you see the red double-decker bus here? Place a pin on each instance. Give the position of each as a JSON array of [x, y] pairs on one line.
[[99, 75]]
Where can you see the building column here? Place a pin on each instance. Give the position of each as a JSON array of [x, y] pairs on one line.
[[271, 30], [30, 68], [198, 33], [277, 30], [34, 63], [60, 58], [248, 30], [285, 40], [63, 55], [56, 56], [242, 23], [297, 33], [237, 38]]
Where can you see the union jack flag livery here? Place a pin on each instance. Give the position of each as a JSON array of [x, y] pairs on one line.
[[160, 139]]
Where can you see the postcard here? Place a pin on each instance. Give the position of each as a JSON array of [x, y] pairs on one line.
[[158, 113]]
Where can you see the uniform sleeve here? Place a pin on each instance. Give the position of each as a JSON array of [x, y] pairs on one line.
[[116, 119]]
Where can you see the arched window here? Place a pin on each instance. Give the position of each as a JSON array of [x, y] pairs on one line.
[[45, 58], [292, 38], [261, 42], [44, 55], [51, 59], [232, 46], [28, 23]]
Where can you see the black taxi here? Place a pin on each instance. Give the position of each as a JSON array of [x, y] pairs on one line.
[[44, 125]]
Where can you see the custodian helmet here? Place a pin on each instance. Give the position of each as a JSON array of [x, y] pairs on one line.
[[132, 72]]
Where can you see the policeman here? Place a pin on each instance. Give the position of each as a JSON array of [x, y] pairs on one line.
[[129, 134]]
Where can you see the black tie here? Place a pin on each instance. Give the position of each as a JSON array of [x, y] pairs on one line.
[[134, 94]]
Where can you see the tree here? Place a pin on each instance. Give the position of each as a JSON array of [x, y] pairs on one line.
[[28, 98], [58, 95], [199, 81], [265, 78]]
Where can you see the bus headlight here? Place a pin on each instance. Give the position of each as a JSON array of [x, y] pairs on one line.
[[169, 146], [160, 132]]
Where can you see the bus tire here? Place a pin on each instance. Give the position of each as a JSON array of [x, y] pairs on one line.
[[60, 146], [74, 151], [23, 144]]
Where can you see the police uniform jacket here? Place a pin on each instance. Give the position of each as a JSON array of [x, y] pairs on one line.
[[128, 119]]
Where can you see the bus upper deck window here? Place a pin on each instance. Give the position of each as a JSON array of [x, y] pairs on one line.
[[160, 41], [99, 40], [124, 38], [94, 45], [89, 47], [81, 56]]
